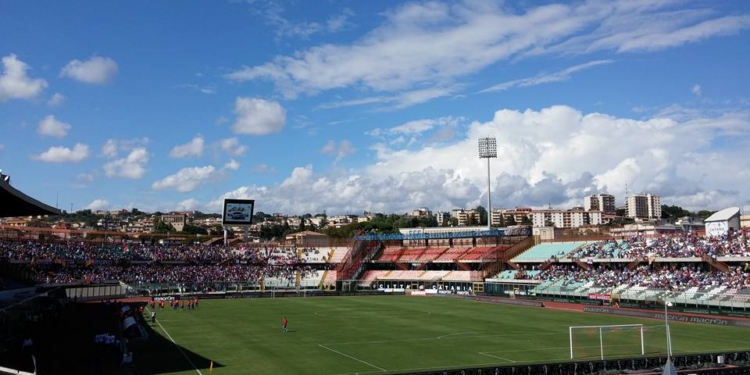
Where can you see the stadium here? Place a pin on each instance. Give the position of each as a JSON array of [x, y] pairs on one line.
[[466, 300]]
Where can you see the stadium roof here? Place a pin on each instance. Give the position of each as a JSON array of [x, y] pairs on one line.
[[724, 215], [16, 203]]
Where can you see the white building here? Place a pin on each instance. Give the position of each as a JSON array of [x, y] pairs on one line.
[[643, 206], [600, 202], [721, 222], [566, 218], [442, 217], [464, 217]]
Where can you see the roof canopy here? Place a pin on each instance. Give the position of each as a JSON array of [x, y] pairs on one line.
[[16, 203], [724, 215]]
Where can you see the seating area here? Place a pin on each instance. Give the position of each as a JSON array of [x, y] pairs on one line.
[[545, 251], [430, 255], [475, 253], [451, 255], [463, 276], [411, 255], [389, 255], [338, 254]]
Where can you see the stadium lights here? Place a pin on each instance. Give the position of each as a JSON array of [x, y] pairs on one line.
[[488, 150]]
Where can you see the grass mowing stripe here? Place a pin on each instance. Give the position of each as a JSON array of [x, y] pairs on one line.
[[177, 346], [356, 359]]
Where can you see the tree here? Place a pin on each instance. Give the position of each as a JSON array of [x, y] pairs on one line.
[[526, 220], [511, 221], [192, 229], [482, 215], [302, 223]]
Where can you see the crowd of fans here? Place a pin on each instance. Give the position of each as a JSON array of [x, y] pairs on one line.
[[671, 277], [683, 245], [68, 262]]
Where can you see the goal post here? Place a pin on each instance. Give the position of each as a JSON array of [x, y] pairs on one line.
[[606, 340]]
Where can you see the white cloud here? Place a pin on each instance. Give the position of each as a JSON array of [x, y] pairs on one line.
[[189, 204], [194, 148], [85, 177], [60, 154], [232, 146], [273, 14], [562, 75], [56, 100], [342, 150], [419, 44], [554, 155], [52, 127], [97, 204], [186, 179], [258, 116], [262, 168], [398, 101], [232, 165], [696, 90], [112, 147], [131, 167], [96, 70], [15, 84]]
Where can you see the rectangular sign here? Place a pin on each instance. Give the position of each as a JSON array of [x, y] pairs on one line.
[[238, 212]]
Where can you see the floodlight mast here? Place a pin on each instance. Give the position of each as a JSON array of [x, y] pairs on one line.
[[488, 150]]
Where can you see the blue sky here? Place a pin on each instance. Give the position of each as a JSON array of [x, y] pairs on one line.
[[348, 106]]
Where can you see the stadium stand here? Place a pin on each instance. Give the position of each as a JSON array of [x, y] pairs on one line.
[[545, 251]]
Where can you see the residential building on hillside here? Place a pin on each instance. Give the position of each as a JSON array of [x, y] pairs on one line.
[[566, 218], [518, 214], [443, 218], [643, 206], [464, 217], [600, 202], [421, 212], [177, 221]]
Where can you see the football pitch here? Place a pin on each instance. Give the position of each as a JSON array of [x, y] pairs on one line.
[[394, 334]]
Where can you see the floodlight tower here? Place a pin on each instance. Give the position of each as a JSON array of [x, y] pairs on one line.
[[488, 150]]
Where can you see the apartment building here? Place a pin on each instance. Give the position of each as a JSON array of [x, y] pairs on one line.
[[566, 218], [421, 212], [643, 206], [600, 202], [465, 217], [177, 221], [443, 218]]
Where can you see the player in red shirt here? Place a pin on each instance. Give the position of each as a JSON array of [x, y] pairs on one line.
[[284, 322]]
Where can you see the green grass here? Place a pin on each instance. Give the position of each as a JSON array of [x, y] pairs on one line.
[[391, 334]]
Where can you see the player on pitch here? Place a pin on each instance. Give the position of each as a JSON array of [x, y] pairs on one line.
[[284, 322]]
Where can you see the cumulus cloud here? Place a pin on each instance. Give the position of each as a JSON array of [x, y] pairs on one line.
[[189, 204], [61, 154], [232, 146], [258, 116], [56, 100], [112, 147], [15, 84], [697, 90], [52, 127], [97, 70], [420, 44], [553, 155], [132, 167], [340, 150], [194, 148], [186, 179], [231, 165], [262, 168], [97, 204]]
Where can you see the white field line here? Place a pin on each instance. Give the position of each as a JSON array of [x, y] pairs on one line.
[[448, 337], [494, 356], [177, 346], [454, 334], [350, 357]]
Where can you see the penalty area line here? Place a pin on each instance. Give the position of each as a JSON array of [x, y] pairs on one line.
[[494, 356], [354, 358], [177, 346]]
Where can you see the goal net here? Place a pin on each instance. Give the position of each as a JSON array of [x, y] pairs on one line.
[[608, 341]]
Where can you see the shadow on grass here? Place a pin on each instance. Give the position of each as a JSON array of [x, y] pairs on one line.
[[159, 355], [64, 344]]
